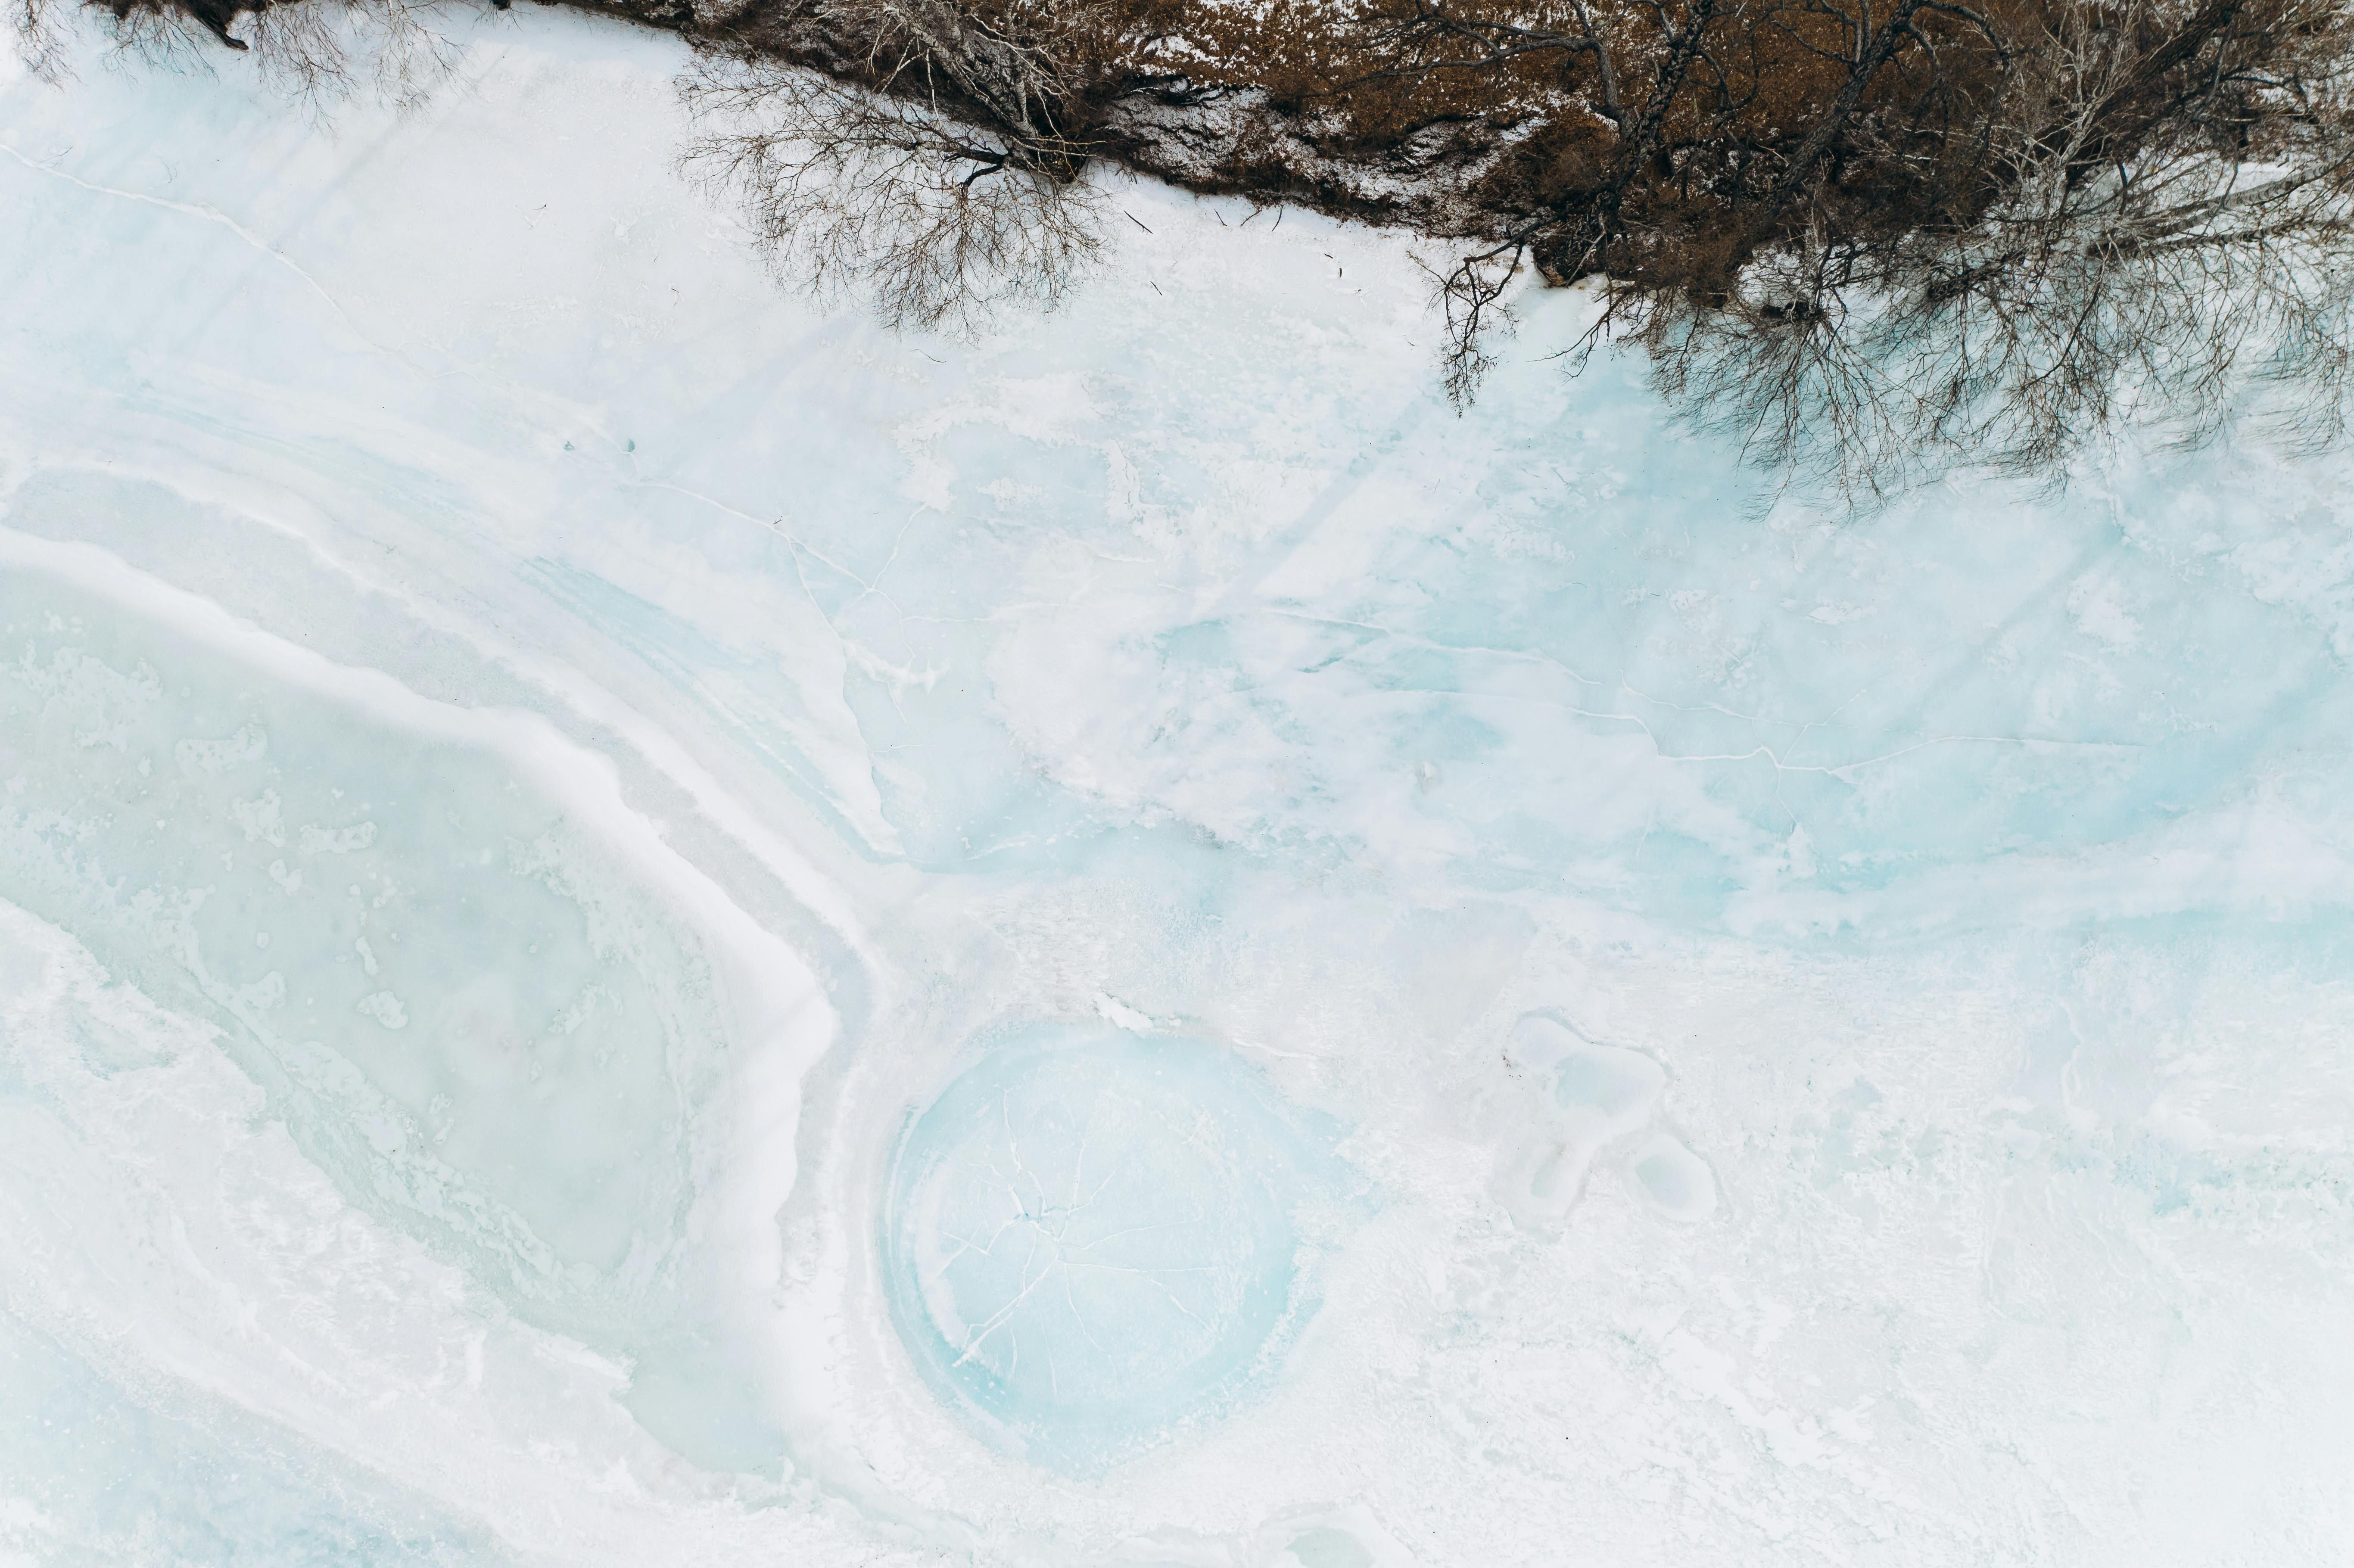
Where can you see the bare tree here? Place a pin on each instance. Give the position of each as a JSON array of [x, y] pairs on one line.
[[318, 50], [944, 179], [1870, 237], [1577, 219], [1872, 242], [35, 24], [2168, 234], [324, 50]]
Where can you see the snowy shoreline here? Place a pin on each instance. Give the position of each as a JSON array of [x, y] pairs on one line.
[[1957, 901]]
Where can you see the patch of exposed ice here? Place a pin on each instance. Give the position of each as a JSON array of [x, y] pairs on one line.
[[1090, 1237], [385, 1007]]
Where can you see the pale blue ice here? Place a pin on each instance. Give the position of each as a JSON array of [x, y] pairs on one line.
[[1090, 1237], [121, 1480], [642, 923], [397, 939]]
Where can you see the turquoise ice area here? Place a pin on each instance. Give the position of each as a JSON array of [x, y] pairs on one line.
[[398, 937], [641, 923], [1090, 1236]]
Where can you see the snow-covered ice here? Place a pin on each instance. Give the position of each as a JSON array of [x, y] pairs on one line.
[[641, 923]]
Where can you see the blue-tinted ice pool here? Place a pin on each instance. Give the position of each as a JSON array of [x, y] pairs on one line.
[[1091, 1238]]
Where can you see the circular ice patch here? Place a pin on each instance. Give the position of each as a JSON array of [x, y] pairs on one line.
[[1090, 1235], [1677, 1181]]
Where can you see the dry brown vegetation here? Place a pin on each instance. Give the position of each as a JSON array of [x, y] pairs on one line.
[[1869, 236]]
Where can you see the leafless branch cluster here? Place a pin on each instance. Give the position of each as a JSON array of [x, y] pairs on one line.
[[1873, 244], [35, 25], [945, 179], [318, 50], [389, 47], [2177, 252], [1872, 237]]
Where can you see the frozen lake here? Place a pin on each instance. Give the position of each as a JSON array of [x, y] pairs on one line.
[[640, 923]]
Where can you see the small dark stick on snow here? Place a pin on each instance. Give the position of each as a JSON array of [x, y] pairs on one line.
[[1138, 221]]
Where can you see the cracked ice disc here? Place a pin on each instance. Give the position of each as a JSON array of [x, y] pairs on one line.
[[1090, 1237]]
